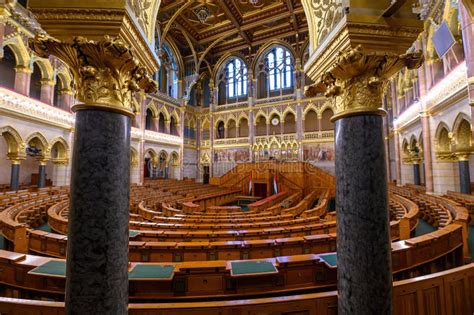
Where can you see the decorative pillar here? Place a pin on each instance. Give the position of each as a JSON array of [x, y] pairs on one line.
[[466, 10], [364, 269], [23, 79], [59, 176], [47, 92], [268, 128], [155, 124], [15, 175], [464, 173], [416, 173], [225, 132], [398, 161], [168, 126], [299, 123], [2, 32], [42, 174], [106, 73], [65, 100], [427, 160], [237, 131], [282, 126], [141, 161]]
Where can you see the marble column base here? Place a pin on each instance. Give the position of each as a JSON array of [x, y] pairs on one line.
[[97, 252], [363, 231], [464, 177], [15, 177]]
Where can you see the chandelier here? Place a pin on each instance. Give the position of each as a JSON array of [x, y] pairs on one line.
[[254, 2], [202, 14]]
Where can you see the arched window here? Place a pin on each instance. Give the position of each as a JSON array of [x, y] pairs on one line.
[[275, 73], [167, 76], [280, 69], [233, 81]]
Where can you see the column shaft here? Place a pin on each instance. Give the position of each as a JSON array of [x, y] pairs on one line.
[[416, 174], [97, 253], [15, 177], [398, 161], [425, 119], [363, 230], [464, 177], [42, 176], [22, 81]]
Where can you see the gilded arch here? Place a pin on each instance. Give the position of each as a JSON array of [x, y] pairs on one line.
[[47, 71], [15, 144], [20, 51], [462, 132], [60, 147]]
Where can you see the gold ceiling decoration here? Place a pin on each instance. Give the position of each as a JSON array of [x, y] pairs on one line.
[[231, 25]]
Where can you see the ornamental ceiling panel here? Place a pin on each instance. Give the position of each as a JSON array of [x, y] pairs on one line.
[[231, 25]]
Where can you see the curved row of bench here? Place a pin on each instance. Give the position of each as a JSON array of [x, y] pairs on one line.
[[447, 292]]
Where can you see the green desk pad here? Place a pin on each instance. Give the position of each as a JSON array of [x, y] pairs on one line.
[[152, 272], [133, 233], [243, 268], [329, 259], [51, 268]]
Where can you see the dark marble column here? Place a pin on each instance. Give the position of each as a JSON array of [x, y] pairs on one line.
[[363, 230], [42, 175], [416, 174], [15, 176], [464, 176], [97, 253]]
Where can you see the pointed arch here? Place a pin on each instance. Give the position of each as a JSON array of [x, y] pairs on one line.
[[133, 157], [267, 47], [230, 118], [462, 132], [47, 72], [259, 114], [20, 51], [41, 140], [287, 111], [15, 143], [163, 110], [223, 60], [443, 138], [273, 113], [308, 108], [151, 152], [174, 159], [59, 149]]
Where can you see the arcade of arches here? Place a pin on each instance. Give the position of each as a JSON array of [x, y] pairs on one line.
[[236, 157]]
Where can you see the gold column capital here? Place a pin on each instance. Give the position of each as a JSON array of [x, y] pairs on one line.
[[357, 80], [105, 71], [23, 69], [462, 156]]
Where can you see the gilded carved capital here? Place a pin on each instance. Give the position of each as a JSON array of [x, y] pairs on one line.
[[463, 156], [357, 81], [105, 72]]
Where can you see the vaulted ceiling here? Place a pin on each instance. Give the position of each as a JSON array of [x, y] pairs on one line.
[[222, 26]]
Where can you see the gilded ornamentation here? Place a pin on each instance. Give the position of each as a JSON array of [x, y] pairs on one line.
[[105, 72], [324, 17], [358, 80], [140, 8]]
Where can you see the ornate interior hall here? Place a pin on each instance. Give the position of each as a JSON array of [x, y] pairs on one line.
[[231, 157]]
